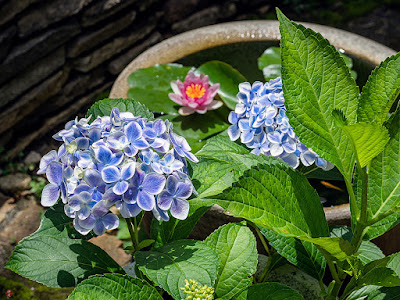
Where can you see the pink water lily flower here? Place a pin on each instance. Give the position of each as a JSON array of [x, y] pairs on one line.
[[195, 94]]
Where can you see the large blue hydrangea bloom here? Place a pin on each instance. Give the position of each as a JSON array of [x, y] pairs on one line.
[[260, 121], [122, 160]]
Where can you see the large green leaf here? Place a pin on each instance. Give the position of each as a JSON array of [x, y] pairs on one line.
[[281, 199], [170, 265], [368, 140], [228, 78], [221, 163], [235, 245], [151, 86], [316, 82], [269, 291], [384, 182], [374, 292], [380, 91], [302, 254], [103, 108], [59, 262], [114, 286]]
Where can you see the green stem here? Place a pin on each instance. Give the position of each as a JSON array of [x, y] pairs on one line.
[[322, 286], [263, 242], [362, 221], [131, 232], [352, 198], [136, 231], [265, 273]]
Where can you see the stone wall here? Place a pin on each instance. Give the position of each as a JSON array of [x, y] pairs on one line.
[[56, 56]]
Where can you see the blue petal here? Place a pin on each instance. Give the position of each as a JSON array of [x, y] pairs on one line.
[[145, 201], [130, 195], [54, 172], [149, 133], [160, 214], [82, 187], [128, 210], [50, 195], [110, 174], [93, 177], [159, 126], [83, 229], [171, 184], [140, 143], [180, 209], [233, 132], [110, 221], [128, 171], [164, 200], [191, 156], [120, 188], [99, 228], [46, 159], [117, 159], [133, 131], [153, 183], [103, 154], [184, 190], [84, 212]]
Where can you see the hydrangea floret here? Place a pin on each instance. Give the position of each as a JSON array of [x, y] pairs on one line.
[[260, 121], [122, 160], [195, 94], [196, 291]]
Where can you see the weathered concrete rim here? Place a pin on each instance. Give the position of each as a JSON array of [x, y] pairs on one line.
[[181, 45]]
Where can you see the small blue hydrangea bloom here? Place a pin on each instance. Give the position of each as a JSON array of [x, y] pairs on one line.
[[118, 160], [260, 121]]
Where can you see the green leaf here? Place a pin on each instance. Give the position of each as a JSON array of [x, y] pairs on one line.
[[55, 223], [374, 292], [221, 163], [302, 254], [144, 244], [170, 265], [59, 262], [380, 91], [235, 245], [368, 140], [151, 86], [384, 183], [103, 108], [316, 81], [197, 127], [174, 229], [349, 63], [382, 272], [228, 78], [270, 63], [114, 286], [269, 291]]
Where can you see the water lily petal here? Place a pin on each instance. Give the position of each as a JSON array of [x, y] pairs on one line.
[[185, 111]]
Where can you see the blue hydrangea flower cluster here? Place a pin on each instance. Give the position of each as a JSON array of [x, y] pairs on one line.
[[261, 123], [122, 160]]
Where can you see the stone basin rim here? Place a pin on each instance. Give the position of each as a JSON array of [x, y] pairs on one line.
[[181, 45]]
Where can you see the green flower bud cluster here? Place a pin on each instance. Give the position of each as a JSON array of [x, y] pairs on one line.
[[195, 291]]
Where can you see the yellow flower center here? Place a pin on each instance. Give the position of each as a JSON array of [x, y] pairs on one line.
[[195, 91]]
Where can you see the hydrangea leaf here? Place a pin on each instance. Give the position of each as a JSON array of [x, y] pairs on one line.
[[114, 286], [368, 140], [380, 91], [228, 78], [269, 291], [59, 261], [270, 63], [55, 223], [315, 82], [151, 86], [302, 254], [221, 163], [170, 265], [235, 245], [103, 108], [374, 292], [386, 269], [384, 182], [279, 198]]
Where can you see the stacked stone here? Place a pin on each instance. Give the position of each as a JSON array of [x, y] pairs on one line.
[[56, 56]]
